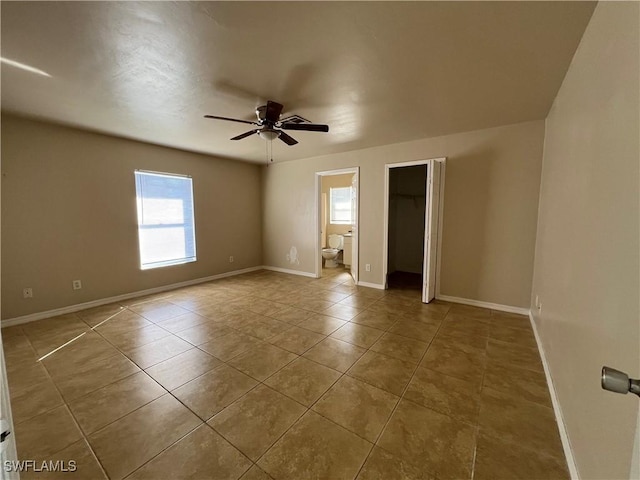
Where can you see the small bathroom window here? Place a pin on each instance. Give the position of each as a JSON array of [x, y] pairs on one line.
[[340, 206]]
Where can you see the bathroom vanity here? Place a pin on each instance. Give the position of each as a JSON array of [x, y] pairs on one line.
[[347, 251]]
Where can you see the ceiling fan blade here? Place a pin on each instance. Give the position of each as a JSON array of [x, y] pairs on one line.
[[287, 139], [230, 119], [274, 110], [245, 135], [309, 127]]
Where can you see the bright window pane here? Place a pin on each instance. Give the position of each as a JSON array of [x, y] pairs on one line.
[[166, 230], [340, 200]]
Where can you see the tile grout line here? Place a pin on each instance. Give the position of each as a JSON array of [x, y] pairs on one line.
[[70, 412]]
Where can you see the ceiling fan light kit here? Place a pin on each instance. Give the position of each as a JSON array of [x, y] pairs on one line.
[[271, 127]]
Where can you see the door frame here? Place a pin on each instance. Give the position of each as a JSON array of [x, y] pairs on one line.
[[355, 239], [385, 216]]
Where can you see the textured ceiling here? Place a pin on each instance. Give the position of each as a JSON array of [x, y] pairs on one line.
[[376, 72]]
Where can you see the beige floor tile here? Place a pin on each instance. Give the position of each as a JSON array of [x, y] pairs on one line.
[[357, 334], [121, 322], [335, 354], [201, 454], [89, 347], [183, 322], [157, 311], [129, 340], [458, 324], [517, 382], [292, 315], [444, 394], [379, 320], [513, 355], [512, 320], [502, 416], [434, 442], [357, 406], [400, 347], [383, 465], [465, 342], [43, 435], [456, 363], [108, 404], [384, 372], [263, 328], [358, 301], [255, 473], [322, 324], [25, 375], [303, 380], [34, 399], [469, 311], [208, 394], [343, 312], [514, 336], [158, 351], [296, 340], [93, 375], [313, 304], [203, 333], [47, 343], [265, 307], [257, 420], [414, 329], [230, 345], [183, 367], [17, 348], [316, 448], [86, 465], [262, 361], [131, 441], [500, 460], [96, 315]]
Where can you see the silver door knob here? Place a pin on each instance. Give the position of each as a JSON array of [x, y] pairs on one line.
[[619, 382]]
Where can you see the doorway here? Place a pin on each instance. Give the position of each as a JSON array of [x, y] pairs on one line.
[[337, 209], [413, 217]]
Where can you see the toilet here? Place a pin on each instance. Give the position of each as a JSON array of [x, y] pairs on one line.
[[330, 254]]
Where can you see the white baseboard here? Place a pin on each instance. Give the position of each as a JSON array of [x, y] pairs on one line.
[[286, 270], [118, 298], [478, 303], [377, 286], [562, 428]]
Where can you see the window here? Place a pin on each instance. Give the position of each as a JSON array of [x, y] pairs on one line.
[[166, 230], [340, 202]]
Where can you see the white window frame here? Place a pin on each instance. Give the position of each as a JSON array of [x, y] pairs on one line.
[[332, 220], [185, 224]]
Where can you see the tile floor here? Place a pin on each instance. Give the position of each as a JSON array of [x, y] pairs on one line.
[[268, 375]]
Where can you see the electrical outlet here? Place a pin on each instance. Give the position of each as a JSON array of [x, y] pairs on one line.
[[77, 284], [27, 293], [231, 259], [367, 267]]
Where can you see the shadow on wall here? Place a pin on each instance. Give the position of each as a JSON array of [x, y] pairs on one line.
[[467, 198]]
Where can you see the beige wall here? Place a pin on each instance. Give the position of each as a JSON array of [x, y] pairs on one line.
[[490, 210], [586, 266], [68, 212], [335, 181]]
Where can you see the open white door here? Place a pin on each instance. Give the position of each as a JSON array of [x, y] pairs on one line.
[[431, 223], [354, 226], [7, 435]]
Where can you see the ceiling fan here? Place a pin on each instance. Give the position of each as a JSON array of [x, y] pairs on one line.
[[271, 127]]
